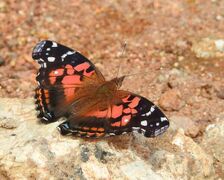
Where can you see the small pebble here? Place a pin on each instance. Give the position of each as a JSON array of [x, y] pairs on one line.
[[220, 93], [219, 17], [219, 44], [171, 100]]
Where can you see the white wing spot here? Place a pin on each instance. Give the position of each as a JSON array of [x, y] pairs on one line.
[[51, 59], [151, 110], [163, 119], [70, 53], [157, 124], [126, 120], [67, 54], [157, 132], [49, 114], [54, 44], [45, 118], [48, 49], [44, 65], [144, 123], [63, 56], [41, 60], [151, 125]]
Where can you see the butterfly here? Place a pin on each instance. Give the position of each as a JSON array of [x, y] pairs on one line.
[[69, 85]]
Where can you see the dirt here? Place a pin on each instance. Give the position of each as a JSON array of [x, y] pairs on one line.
[[159, 36]]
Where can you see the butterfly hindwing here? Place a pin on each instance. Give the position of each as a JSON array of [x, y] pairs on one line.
[[84, 127], [90, 120], [132, 113], [63, 72]]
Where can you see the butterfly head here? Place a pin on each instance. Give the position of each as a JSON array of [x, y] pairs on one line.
[[118, 81]]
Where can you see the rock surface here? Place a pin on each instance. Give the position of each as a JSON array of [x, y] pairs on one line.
[[171, 100], [30, 150], [189, 126], [220, 93], [213, 142], [209, 48]]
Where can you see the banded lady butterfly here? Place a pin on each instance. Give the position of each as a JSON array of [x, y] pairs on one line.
[[70, 85]]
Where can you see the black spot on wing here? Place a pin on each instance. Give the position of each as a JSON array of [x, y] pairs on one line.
[[89, 69], [131, 97]]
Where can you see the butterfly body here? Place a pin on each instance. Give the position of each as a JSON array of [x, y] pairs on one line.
[[70, 85]]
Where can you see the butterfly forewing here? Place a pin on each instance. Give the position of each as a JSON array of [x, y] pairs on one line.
[[62, 74]]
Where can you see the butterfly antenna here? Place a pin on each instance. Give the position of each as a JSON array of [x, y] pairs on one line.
[[121, 56], [135, 74]]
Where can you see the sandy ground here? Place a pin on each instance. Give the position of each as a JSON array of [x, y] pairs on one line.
[[161, 38]]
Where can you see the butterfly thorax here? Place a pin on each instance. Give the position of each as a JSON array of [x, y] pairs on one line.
[[107, 89], [110, 87]]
